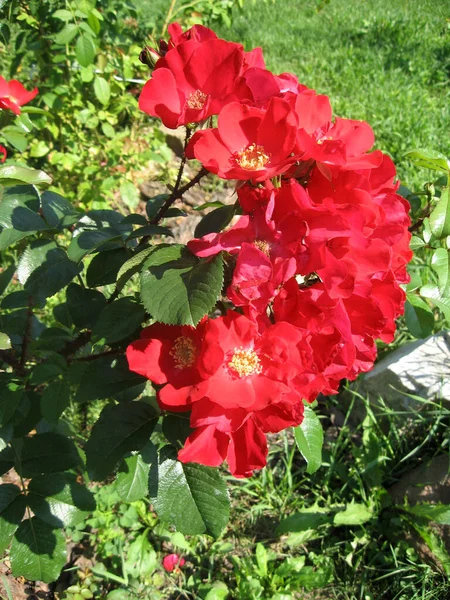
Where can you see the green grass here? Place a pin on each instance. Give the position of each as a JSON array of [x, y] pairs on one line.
[[384, 61]]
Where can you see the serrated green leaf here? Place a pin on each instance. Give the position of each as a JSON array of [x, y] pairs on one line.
[[132, 481], [191, 497], [440, 262], [118, 320], [84, 306], [354, 514], [59, 500], [18, 215], [38, 551], [48, 453], [432, 292], [149, 230], [440, 217], [178, 288], [419, 317], [45, 269], [55, 400], [58, 212], [14, 175], [106, 377], [85, 50], [12, 509], [132, 266], [102, 90], [309, 439], [120, 429], [90, 241], [215, 221], [103, 268]]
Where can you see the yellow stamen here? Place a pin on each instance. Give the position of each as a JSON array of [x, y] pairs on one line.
[[323, 139], [183, 352], [252, 158], [245, 362], [196, 100], [263, 246]]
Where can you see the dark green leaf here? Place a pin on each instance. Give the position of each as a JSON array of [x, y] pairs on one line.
[[38, 551], [10, 397], [154, 204], [177, 288], [103, 268], [302, 521], [120, 429], [438, 513], [13, 175], [85, 50], [309, 438], [12, 509], [176, 428], [215, 221], [418, 316], [44, 269], [135, 219], [90, 241], [50, 369], [106, 377], [149, 230], [440, 217], [18, 215], [6, 276], [189, 496], [48, 453], [84, 305], [55, 400], [20, 299], [7, 459], [118, 320], [59, 500], [53, 339], [58, 212], [132, 481]]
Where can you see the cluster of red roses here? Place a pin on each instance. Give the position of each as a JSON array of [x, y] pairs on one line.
[[320, 250]]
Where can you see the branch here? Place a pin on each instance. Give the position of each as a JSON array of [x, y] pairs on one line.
[[73, 346]]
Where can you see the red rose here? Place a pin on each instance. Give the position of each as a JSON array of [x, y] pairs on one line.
[[13, 95]]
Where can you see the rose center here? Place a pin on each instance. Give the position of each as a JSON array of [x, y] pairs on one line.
[[263, 246], [196, 100], [245, 362], [252, 158], [183, 352], [323, 139]]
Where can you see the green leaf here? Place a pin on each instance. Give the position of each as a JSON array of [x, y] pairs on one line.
[[48, 453], [131, 267], [440, 217], [142, 559], [106, 377], [38, 552], [90, 241], [6, 276], [102, 90], [309, 438], [85, 50], [120, 429], [62, 15], [103, 268], [354, 514], [66, 35], [18, 215], [132, 483], [118, 320], [5, 342], [191, 497], [429, 159], [177, 288], [13, 175], [438, 513], [215, 221], [10, 398], [44, 269], [15, 138], [149, 230], [58, 212], [59, 500], [418, 316], [303, 521], [440, 262], [12, 509], [55, 400], [130, 195], [432, 292], [84, 305]]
